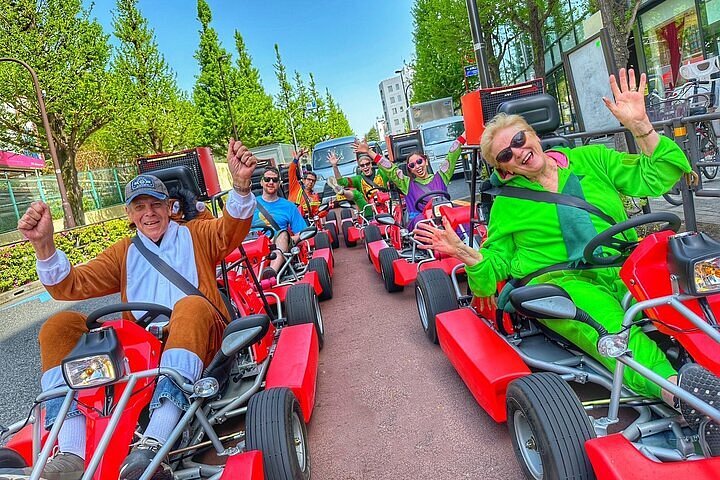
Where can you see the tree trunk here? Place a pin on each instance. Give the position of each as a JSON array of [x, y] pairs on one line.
[[66, 157], [536, 40], [492, 59]]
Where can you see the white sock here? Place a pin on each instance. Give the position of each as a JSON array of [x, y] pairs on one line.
[[163, 420], [71, 438]]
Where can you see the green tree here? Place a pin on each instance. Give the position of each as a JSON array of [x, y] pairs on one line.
[[285, 98], [337, 124], [533, 19], [70, 54], [372, 135], [619, 19], [155, 114]]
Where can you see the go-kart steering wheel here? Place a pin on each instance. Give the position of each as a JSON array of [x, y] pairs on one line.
[[607, 238], [153, 310], [265, 229], [420, 204]]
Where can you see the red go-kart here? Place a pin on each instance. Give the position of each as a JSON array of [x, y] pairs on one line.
[[519, 371]]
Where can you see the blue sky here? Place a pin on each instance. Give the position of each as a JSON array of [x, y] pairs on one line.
[[349, 45]]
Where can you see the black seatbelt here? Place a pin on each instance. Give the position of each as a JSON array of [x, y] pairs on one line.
[[268, 217], [549, 197], [171, 274]]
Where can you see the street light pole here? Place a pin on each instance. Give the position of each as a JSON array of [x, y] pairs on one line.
[[405, 93], [67, 210], [478, 44]]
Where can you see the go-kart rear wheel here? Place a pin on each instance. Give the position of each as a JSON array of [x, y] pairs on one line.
[[434, 293], [274, 425], [320, 266], [372, 234], [548, 428], [322, 240], [334, 237], [345, 213], [9, 458], [345, 227], [330, 216], [301, 306], [386, 257]]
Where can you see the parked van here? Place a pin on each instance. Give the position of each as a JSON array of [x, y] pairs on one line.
[[343, 149], [438, 136]]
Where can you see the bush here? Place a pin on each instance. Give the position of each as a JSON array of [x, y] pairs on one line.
[[80, 244]]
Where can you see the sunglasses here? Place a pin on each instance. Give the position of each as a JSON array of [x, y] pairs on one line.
[[417, 162], [363, 165], [270, 179], [506, 154]]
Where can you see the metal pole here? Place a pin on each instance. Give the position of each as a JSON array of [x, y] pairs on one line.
[[69, 217], [478, 45], [227, 96]]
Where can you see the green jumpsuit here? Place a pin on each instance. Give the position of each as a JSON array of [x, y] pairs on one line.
[[361, 186], [525, 236]]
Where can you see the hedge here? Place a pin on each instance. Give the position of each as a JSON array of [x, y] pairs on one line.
[[80, 244]]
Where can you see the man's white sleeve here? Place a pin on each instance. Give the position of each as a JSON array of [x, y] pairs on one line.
[[54, 269], [240, 206]]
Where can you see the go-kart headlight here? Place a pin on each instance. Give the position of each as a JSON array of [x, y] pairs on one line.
[[97, 359], [707, 276], [694, 259]]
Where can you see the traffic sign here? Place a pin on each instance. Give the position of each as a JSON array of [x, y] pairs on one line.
[[471, 71]]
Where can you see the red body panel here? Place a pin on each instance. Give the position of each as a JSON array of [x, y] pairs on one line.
[[354, 234], [614, 458], [485, 362], [295, 365], [21, 442], [646, 275], [244, 466], [374, 250], [406, 272]]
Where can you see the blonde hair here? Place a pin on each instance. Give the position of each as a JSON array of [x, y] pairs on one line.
[[499, 122]]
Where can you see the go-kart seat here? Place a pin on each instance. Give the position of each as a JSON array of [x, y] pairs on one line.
[[239, 334], [179, 176], [542, 113]]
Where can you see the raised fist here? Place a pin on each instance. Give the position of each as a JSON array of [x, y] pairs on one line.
[[36, 224]]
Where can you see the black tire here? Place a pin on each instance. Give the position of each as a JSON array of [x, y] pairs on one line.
[[372, 234], [386, 258], [673, 199], [274, 425], [434, 293], [709, 172], [548, 428], [330, 216], [322, 240], [9, 458], [334, 237], [320, 266], [345, 213], [301, 306], [345, 227]]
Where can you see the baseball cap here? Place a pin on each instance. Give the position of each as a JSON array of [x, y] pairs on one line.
[[145, 185]]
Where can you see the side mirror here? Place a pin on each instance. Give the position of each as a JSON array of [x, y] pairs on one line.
[[345, 204], [543, 301], [385, 219], [323, 207], [308, 233]]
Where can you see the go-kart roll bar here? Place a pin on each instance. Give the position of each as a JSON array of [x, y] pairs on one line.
[[52, 437]]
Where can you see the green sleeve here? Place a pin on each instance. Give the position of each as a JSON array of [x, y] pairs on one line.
[[640, 175], [497, 252], [394, 174], [348, 182], [344, 182], [447, 168]]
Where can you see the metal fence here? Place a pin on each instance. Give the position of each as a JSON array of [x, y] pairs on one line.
[[101, 188]]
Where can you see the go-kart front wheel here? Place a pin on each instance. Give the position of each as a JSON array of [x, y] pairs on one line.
[[434, 293], [386, 257], [10, 459], [274, 425], [345, 227], [301, 306], [548, 428], [320, 266], [372, 234], [333, 231], [322, 240]]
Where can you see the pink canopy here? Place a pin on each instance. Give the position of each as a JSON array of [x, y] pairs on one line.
[[16, 161]]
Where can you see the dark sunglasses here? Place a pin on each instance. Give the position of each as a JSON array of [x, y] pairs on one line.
[[270, 179], [363, 165], [506, 154], [418, 162]]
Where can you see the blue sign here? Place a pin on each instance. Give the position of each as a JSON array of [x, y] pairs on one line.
[[471, 71]]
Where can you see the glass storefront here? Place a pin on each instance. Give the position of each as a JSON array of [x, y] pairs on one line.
[[670, 37], [710, 20]]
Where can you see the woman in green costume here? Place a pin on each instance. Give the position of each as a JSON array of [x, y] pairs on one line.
[[547, 234], [357, 187]]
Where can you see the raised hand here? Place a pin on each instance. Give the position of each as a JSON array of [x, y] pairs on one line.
[[629, 104], [361, 146], [441, 240], [241, 163], [36, 225], [332, 158], [300, 153]]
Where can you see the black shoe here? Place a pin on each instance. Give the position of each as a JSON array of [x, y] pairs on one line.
[[268, 272], [706, 386], [140, 457]]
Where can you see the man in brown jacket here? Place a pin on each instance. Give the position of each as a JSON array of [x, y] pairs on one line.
[[195, 328]]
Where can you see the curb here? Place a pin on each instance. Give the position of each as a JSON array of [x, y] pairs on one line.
[[27, 289]]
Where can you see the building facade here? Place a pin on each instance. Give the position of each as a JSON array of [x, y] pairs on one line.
[[394, 101]]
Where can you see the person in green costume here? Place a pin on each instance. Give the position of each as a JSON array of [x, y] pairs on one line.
[[547, 234], [357, 187]]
